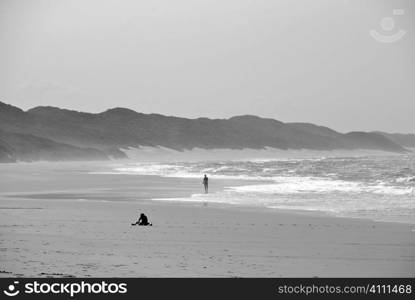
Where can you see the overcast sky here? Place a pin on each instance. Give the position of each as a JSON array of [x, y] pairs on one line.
[[293, 60]]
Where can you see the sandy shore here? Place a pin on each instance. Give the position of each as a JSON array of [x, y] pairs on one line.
[[44, 234], [67, 238]]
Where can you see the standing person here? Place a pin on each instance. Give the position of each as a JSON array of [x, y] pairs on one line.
[[206, 184]]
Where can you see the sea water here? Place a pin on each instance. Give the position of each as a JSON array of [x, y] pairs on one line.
[[378, 187]]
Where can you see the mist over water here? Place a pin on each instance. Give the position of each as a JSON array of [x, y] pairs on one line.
[[380, 187]]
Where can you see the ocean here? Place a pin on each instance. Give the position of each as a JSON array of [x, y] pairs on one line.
[[377, 187]]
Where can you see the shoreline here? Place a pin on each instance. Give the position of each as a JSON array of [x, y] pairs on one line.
[[281, 210], [218, 205], [78, 225], [101, 182], [60, 196]]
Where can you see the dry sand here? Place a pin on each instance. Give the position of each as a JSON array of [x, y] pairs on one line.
[[43, 233]]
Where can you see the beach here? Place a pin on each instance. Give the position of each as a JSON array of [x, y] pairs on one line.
[[55, 223]]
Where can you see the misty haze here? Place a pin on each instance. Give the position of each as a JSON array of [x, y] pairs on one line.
[[207, 138]]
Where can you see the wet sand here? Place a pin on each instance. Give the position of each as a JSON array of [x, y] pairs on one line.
[[67, 223]]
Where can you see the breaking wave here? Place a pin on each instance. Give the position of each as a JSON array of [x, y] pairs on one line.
[[376, 187]]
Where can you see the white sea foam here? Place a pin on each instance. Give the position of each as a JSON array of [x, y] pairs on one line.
[[383, 209], [279, 184], [408, 179], [171, 170], [298, 185], [291, 185], [378, 187]]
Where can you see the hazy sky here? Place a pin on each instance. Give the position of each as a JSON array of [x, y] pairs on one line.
[[293, 60]]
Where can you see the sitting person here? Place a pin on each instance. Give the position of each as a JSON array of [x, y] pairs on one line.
[[142, 221]]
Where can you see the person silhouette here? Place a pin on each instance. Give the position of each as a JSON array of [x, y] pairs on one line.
[[206, 184], [142, 221]]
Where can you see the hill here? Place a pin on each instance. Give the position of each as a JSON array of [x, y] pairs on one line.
[[52, 133]]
